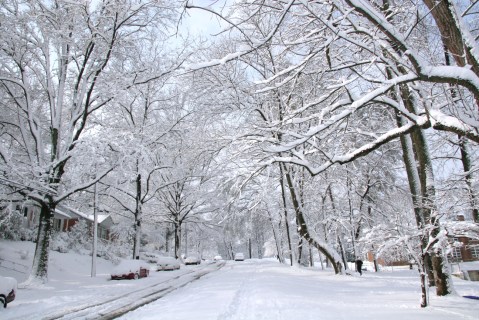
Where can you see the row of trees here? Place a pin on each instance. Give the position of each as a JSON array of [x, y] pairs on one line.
[[88, 99], [306, 124], [362, 83]]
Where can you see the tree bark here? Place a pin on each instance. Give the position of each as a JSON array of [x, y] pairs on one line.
[[303, 228], [466, 164], [42, 248], [415, 189], [285, 208], [430, 213], [446, 19], [276, 240], [137, 222], [178, 240]]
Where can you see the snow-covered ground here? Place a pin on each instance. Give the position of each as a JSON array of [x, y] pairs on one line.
[[252, 289]]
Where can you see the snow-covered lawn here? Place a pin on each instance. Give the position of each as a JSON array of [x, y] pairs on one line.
[[250, 289], [70, 283]]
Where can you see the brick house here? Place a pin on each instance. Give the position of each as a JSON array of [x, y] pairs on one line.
[[468, 251], [464, 259], [65, 218]]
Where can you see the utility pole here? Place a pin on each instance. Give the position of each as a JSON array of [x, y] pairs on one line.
[[186, 240], [95, 233]]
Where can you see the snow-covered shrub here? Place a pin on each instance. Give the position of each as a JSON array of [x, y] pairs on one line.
[[113, 250], [27, 234], [77, 239], [11, 222], [59, 242]]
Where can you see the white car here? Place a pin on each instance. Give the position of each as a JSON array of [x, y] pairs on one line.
[[8, 289], [218, 258], [167, 264], [239, 256], [192, 260]]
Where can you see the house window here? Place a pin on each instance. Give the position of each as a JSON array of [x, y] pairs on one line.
[[57, 223], [102, 233], [474, 251], [456, 254]]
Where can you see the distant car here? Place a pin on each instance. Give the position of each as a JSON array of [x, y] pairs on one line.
[[218, 258], [8, 289], [239, 256], [130, 269], [167, 264], [192, 260]]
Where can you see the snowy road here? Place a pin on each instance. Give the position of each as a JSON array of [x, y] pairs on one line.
[[261, 289]]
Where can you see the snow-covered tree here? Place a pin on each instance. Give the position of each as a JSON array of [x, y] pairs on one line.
[[61, 62], [358, 55]]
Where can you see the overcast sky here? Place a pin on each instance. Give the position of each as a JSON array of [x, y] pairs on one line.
[[202, 22]]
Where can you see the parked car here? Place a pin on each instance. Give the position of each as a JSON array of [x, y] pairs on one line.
[[8, 289], [239, 256], [218, 258], [192, 260], [167, 264], [130, 269]]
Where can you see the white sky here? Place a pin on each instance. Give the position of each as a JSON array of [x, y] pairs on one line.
[[201, 22]]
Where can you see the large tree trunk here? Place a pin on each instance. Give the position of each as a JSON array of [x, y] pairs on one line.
[[448, 23], [432, 255], [465, 158], [430, 213], [415, 189], [466, 164], [137, 223], [286, 220], [39, 272], [276, 240], [136, 244], [168, 234], [178, 240], [304, 232]]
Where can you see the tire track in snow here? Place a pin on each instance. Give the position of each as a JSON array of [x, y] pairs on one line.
[[119, 305], [244, 299], [232, 309]]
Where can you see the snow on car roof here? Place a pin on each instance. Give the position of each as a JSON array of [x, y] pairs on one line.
[[7, 284], [167, 260], [127, 266]]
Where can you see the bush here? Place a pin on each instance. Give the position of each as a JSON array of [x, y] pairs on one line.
[[11, 222], [59, 242], [77, 239]]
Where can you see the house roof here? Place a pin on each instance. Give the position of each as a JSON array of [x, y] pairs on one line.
[[70, 213]]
